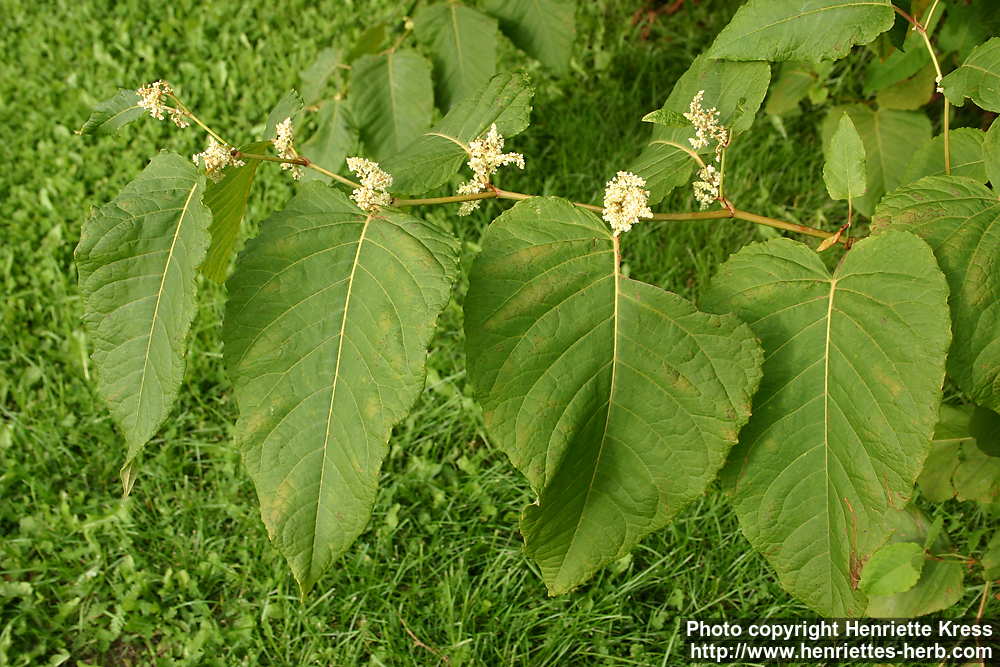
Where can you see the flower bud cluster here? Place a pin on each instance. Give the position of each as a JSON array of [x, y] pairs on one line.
[[284, 139], [375, 183], [485, 157], [707, 126], [706, 190], [625, 201], [217, 157], [151, 98]]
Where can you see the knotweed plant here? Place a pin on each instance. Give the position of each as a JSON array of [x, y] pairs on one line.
[[808, 378]]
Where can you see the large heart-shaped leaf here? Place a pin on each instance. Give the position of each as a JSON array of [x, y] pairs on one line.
[[960, 219], [843, 419], [889, 137], [137, 258], [811, 30], [736, 90], [463, 44], [326, 335], [439, 153], [978, 78], [392, 100], [544, 29], [617, 400]]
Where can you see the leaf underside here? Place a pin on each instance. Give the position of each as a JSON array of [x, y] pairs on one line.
[[960, 219], [111, 114], [326, 335], [137, 259], [854, 364], [617, 400]]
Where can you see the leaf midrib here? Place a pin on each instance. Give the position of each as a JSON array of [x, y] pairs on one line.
[[159, 296], [611, 402], [333, 392]]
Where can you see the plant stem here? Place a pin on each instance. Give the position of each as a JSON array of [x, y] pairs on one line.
[[781, 224], [947, 139], [720, 214], [197, 121], [334, 176]]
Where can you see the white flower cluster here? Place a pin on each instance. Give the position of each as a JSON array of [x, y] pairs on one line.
[[284, 139], [706, 190], [625, 201], [375, 183], [485, 157], [152, 100], [707, 126], [217, 157]]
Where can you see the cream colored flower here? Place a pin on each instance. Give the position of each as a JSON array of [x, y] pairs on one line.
[[152, 96], [375, 183], [625, 201], [485, 157], [284, 140], [217, 157], [706, 190], [706, 125]]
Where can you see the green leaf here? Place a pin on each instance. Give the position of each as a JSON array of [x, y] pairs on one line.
[[287, 107], [315, 77], [369, 42], [227, 200], [960, 219], [978, 78], [977, 477], [666, 118], [617, 400], [735, 89], [438, 154], [911, 93], [793, 84], [889, 137], [991, 154], [940, 583], [463, 44], [968, 25], [810, 30], [326, 334], [951, 432], [854, 364], [137, 260], [844, 171], [544, 29], [985, 428], [895, 568], [335, 139], [966, 157], [113, 113], [392, 100]]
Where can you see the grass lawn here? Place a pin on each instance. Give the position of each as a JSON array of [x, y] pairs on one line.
[[182, 572]]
